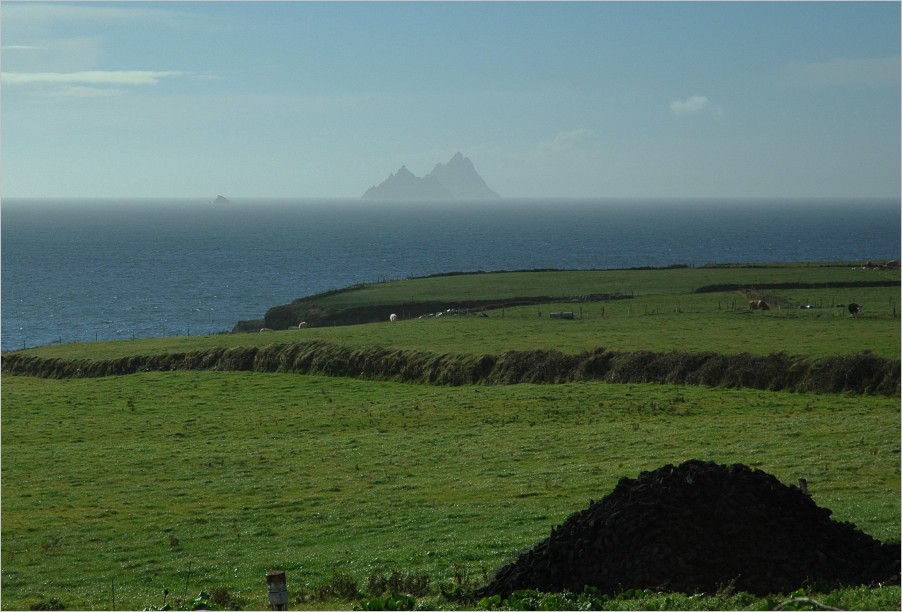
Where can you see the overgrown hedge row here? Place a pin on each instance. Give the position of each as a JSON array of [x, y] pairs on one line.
[[725, 287], [863, 373]]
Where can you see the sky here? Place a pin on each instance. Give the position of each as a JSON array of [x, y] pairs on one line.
[[548, 99]]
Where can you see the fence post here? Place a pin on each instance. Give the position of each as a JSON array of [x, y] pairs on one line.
[[278, 591]]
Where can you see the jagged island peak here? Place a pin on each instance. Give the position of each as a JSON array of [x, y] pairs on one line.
[[455, 180]]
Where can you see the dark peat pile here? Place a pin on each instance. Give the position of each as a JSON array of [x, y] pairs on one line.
[[700, 527]]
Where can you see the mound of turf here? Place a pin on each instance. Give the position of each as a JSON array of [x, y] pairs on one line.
[[699, 527]]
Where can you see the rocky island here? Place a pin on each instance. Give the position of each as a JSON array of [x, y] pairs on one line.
[[456, 180]]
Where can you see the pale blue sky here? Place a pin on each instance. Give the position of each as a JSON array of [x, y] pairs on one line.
[[586, 99]]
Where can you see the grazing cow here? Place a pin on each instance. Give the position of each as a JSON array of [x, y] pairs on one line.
[[854, 309], [302, 324], [758, 305], [265, 329], [393, 317]]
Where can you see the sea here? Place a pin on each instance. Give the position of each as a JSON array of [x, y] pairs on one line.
[[90, 270]]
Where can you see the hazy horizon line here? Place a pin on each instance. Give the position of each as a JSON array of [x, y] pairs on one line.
[[241, 200]]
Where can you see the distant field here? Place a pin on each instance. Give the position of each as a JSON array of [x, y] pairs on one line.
[[664, 314], [568, 284], [688, 322]]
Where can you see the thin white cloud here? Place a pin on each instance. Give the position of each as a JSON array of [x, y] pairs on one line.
[[842, 72], [690, 106], [52, 54], [80, 91], [90, 77], [31, 14], [580, 138], [693, 106]]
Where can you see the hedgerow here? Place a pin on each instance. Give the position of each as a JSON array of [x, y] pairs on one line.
[[862, 373]]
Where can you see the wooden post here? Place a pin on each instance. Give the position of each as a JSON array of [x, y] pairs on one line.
[[278, 591]]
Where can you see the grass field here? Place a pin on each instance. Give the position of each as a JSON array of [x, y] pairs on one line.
[[718, 322], [567, 284], [130, 480], [118, 488]]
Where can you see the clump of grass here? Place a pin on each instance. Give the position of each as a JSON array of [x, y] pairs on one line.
[[855, 598], [341, 587], [48, 604], [463, 584], [225, 599], [409, 583]]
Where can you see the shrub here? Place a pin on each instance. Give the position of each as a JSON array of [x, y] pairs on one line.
[[340, 587], [397, 582], [48, 604]]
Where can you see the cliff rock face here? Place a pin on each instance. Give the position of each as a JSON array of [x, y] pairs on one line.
[[456, 180]]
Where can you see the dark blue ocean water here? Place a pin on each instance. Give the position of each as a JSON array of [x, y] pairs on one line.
[[80, 271]]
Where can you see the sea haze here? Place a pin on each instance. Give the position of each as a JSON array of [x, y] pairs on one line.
[[77, 271]]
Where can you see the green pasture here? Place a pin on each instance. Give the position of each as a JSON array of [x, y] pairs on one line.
[[718, 322], [573, 283], [122, 487]]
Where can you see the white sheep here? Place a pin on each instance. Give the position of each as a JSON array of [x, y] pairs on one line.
[[393, 317]]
